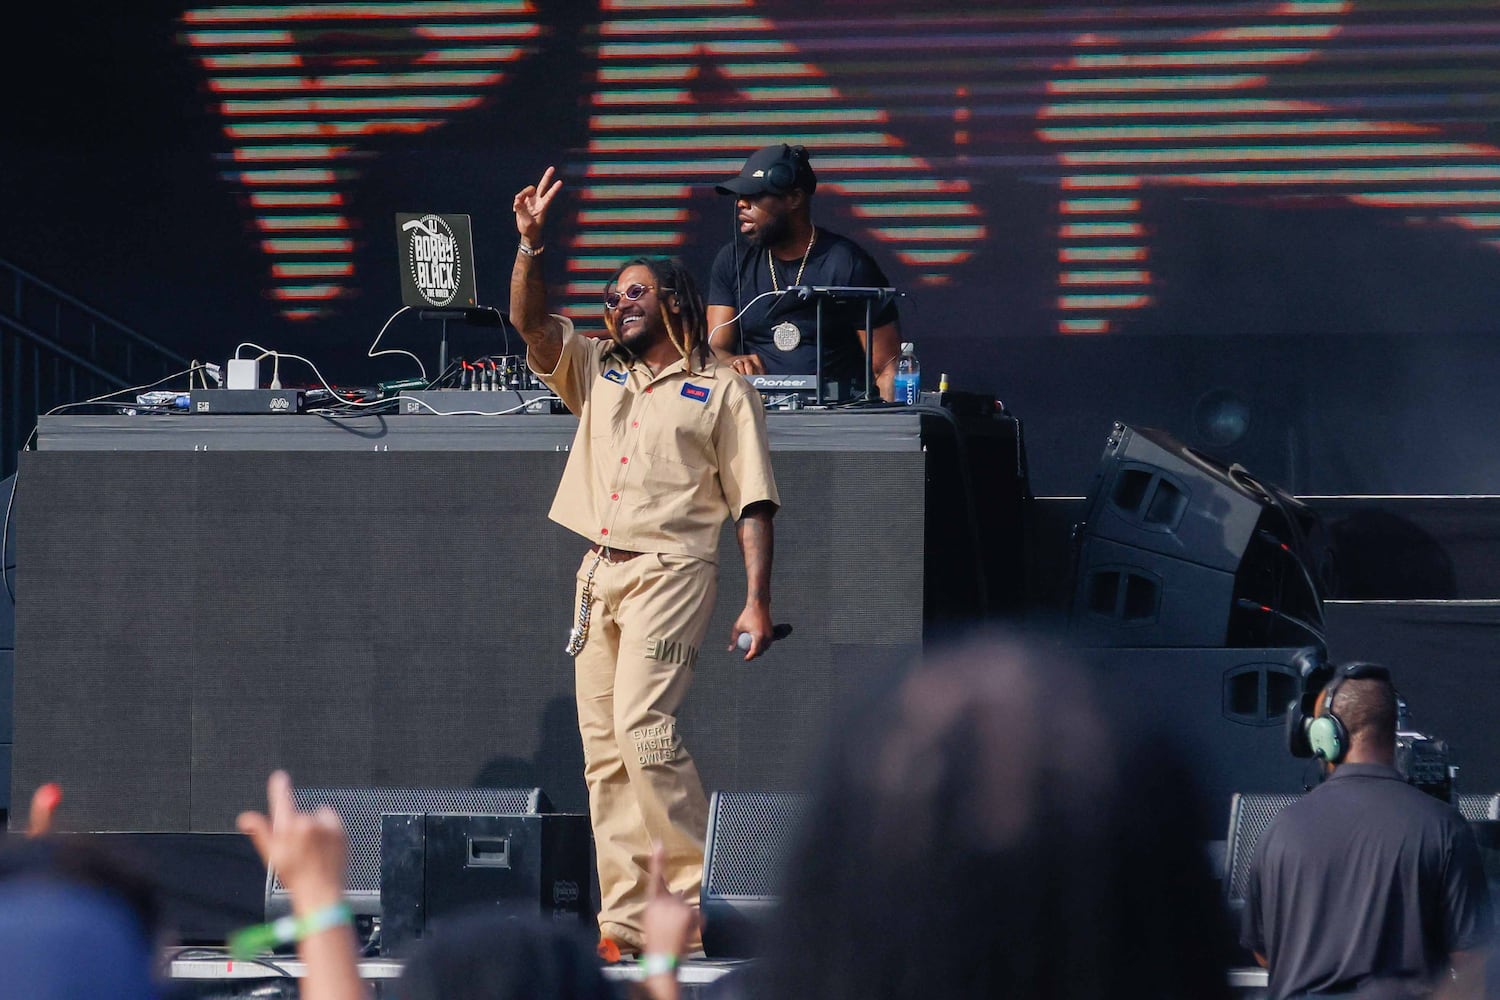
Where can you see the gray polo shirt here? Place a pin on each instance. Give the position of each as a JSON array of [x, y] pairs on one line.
[[1364, 878]]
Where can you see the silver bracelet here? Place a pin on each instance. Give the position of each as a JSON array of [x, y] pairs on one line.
[[529, 250]]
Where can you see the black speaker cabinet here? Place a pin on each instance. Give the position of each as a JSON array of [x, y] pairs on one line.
[[1135, 597], [1249, 817], [1172, 542], [366, 680], [1226, 707], [208, 884], [1154, 493], [360, 810], [749, 834], [435, 865]]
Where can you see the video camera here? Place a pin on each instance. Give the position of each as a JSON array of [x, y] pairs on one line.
[[1425, 761]]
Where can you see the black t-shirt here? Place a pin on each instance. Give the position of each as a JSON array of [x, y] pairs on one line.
[[1366, 878], [833, 261]]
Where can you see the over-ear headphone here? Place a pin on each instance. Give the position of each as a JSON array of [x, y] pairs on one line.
[[1313, 671], [782, 176], [1326, 734]]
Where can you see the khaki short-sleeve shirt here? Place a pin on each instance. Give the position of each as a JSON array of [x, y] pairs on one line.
[[658, 462]]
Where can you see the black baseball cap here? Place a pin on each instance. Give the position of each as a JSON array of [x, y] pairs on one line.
[[754, 179]]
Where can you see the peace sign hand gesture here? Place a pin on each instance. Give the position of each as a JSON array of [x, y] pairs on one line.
[[531, 206]]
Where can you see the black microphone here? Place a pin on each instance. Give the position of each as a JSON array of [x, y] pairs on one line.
[[778, 632]]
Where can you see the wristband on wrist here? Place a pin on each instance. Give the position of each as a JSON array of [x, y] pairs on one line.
[[658, 964], [250, 941], [528, 249]]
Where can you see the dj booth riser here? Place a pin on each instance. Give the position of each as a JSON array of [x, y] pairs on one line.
[[385, 603]]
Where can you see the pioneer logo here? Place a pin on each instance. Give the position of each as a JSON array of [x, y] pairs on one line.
[[790, 382]]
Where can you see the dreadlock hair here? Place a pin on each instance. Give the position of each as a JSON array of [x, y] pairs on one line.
[[688, 327]]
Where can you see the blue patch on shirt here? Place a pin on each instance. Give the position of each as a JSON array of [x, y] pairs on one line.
[[698, 392], [614, 376]]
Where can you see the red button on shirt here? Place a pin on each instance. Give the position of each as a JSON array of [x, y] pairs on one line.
[[623, 461], [603, 531], [614, 496]]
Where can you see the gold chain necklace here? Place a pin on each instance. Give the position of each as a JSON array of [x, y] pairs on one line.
[[770, 263]]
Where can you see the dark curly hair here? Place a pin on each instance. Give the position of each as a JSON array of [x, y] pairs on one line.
[[688, 327], [997, 823]]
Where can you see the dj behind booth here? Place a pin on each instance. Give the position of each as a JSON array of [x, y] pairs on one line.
[[793, 301]]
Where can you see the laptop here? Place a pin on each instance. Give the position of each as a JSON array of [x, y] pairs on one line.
[[436, 260]]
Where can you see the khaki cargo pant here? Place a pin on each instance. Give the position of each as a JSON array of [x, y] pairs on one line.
[[648, 619]]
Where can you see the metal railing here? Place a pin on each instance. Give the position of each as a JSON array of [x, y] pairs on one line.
[[55, 349]]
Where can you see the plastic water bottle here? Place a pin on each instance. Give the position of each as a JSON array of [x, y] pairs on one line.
[[908, 375]]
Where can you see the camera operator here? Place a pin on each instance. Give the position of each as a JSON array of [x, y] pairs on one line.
[[1367, 885]]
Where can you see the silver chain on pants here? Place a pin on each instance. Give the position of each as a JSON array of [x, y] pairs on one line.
[[579, 634]]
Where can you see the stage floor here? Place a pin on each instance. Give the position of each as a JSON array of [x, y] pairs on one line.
[[220, 974]]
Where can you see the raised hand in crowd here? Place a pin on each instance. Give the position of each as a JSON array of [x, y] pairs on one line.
[[44, 803], [77, 919], [308, 850], [671, 927]]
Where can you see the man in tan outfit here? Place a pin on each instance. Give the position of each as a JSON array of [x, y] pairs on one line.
[[669, 444]]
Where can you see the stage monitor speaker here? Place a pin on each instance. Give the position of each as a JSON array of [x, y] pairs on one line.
[[1172, 542], [1249, 816], [208, 885], [1479, 806], [436, 865], [749, 834], [360, 810]]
